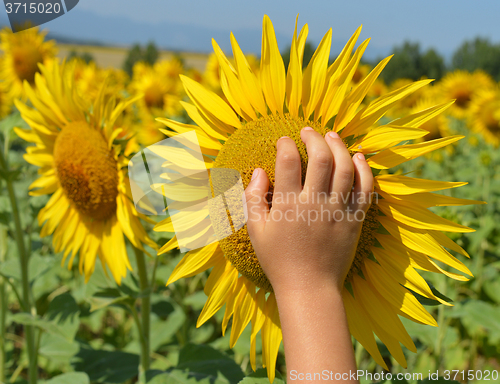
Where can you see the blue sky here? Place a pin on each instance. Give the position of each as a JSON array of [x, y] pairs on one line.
[[443, 24]]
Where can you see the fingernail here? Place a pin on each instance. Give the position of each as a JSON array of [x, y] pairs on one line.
[[283, 137], [360, 156], [334, 135], [255, 173], [307, 129]]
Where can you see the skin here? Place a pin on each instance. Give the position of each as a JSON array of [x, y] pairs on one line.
[[307, 261]]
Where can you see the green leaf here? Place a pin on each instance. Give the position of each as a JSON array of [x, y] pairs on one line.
[[480, 317], [103, 302], [108, 297], [260, 377], [7, 125], [177, 376], [45, 325], [106, 366], [492, 289], [38, 265], [209, 361], [165, 329], [58, 348], [69, 378], [63, 307]]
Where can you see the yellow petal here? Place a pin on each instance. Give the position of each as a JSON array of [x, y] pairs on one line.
[[196, 261], [391, 157], [418, 217], [169, 245], [249, 82], [415, 120], [237, 94], [243, 312], [219, 294], [271, 336], [400, 298], [369, 115], [210, 129], [294, 77], [384, 137], [315, 74], [209, 103], [403, 185], [395, 258], [258, 319], [360, 327], [421, 241], [351, 103], [380, 311], [272, 69]]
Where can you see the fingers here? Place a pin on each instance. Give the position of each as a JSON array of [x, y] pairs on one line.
[[288, 167], [343, 169], [363, 188], [320, 164], [256, 207]]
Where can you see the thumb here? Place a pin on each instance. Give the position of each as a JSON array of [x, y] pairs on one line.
[[256, 207]]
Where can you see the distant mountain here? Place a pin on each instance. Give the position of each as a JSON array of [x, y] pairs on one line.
[[84, 27]]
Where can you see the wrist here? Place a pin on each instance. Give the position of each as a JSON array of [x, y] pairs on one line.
[[318, 291]]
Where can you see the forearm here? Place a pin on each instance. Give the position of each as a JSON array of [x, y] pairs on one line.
[[315, 333]]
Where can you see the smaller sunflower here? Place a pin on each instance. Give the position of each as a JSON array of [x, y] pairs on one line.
[[89, 78], [23, 51], [160, 84], [463, 86], [83, 168], [485, 115]]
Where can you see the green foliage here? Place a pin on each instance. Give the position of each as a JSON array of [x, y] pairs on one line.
[[479, 53], [137, 53], [410, 62], [85, 56]]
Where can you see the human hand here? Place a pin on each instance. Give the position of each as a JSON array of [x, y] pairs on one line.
[[308, 239]]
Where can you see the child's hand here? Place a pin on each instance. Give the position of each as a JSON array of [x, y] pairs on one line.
[[309, 236]]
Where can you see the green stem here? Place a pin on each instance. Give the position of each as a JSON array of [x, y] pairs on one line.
[[145, 310], [3, 306], [23, 259]]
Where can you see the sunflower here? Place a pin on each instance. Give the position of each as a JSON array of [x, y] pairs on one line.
[[485, 115], [463, 86], [399, 234], [81, 166], [5, 101], [160, 86], [23, 51], [89, 78], [438, 126]]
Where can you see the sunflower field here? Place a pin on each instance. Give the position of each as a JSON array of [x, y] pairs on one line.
[[93, 289]]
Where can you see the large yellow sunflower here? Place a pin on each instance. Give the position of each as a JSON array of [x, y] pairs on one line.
[[399, 234], [90, 209], [23, 51]]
